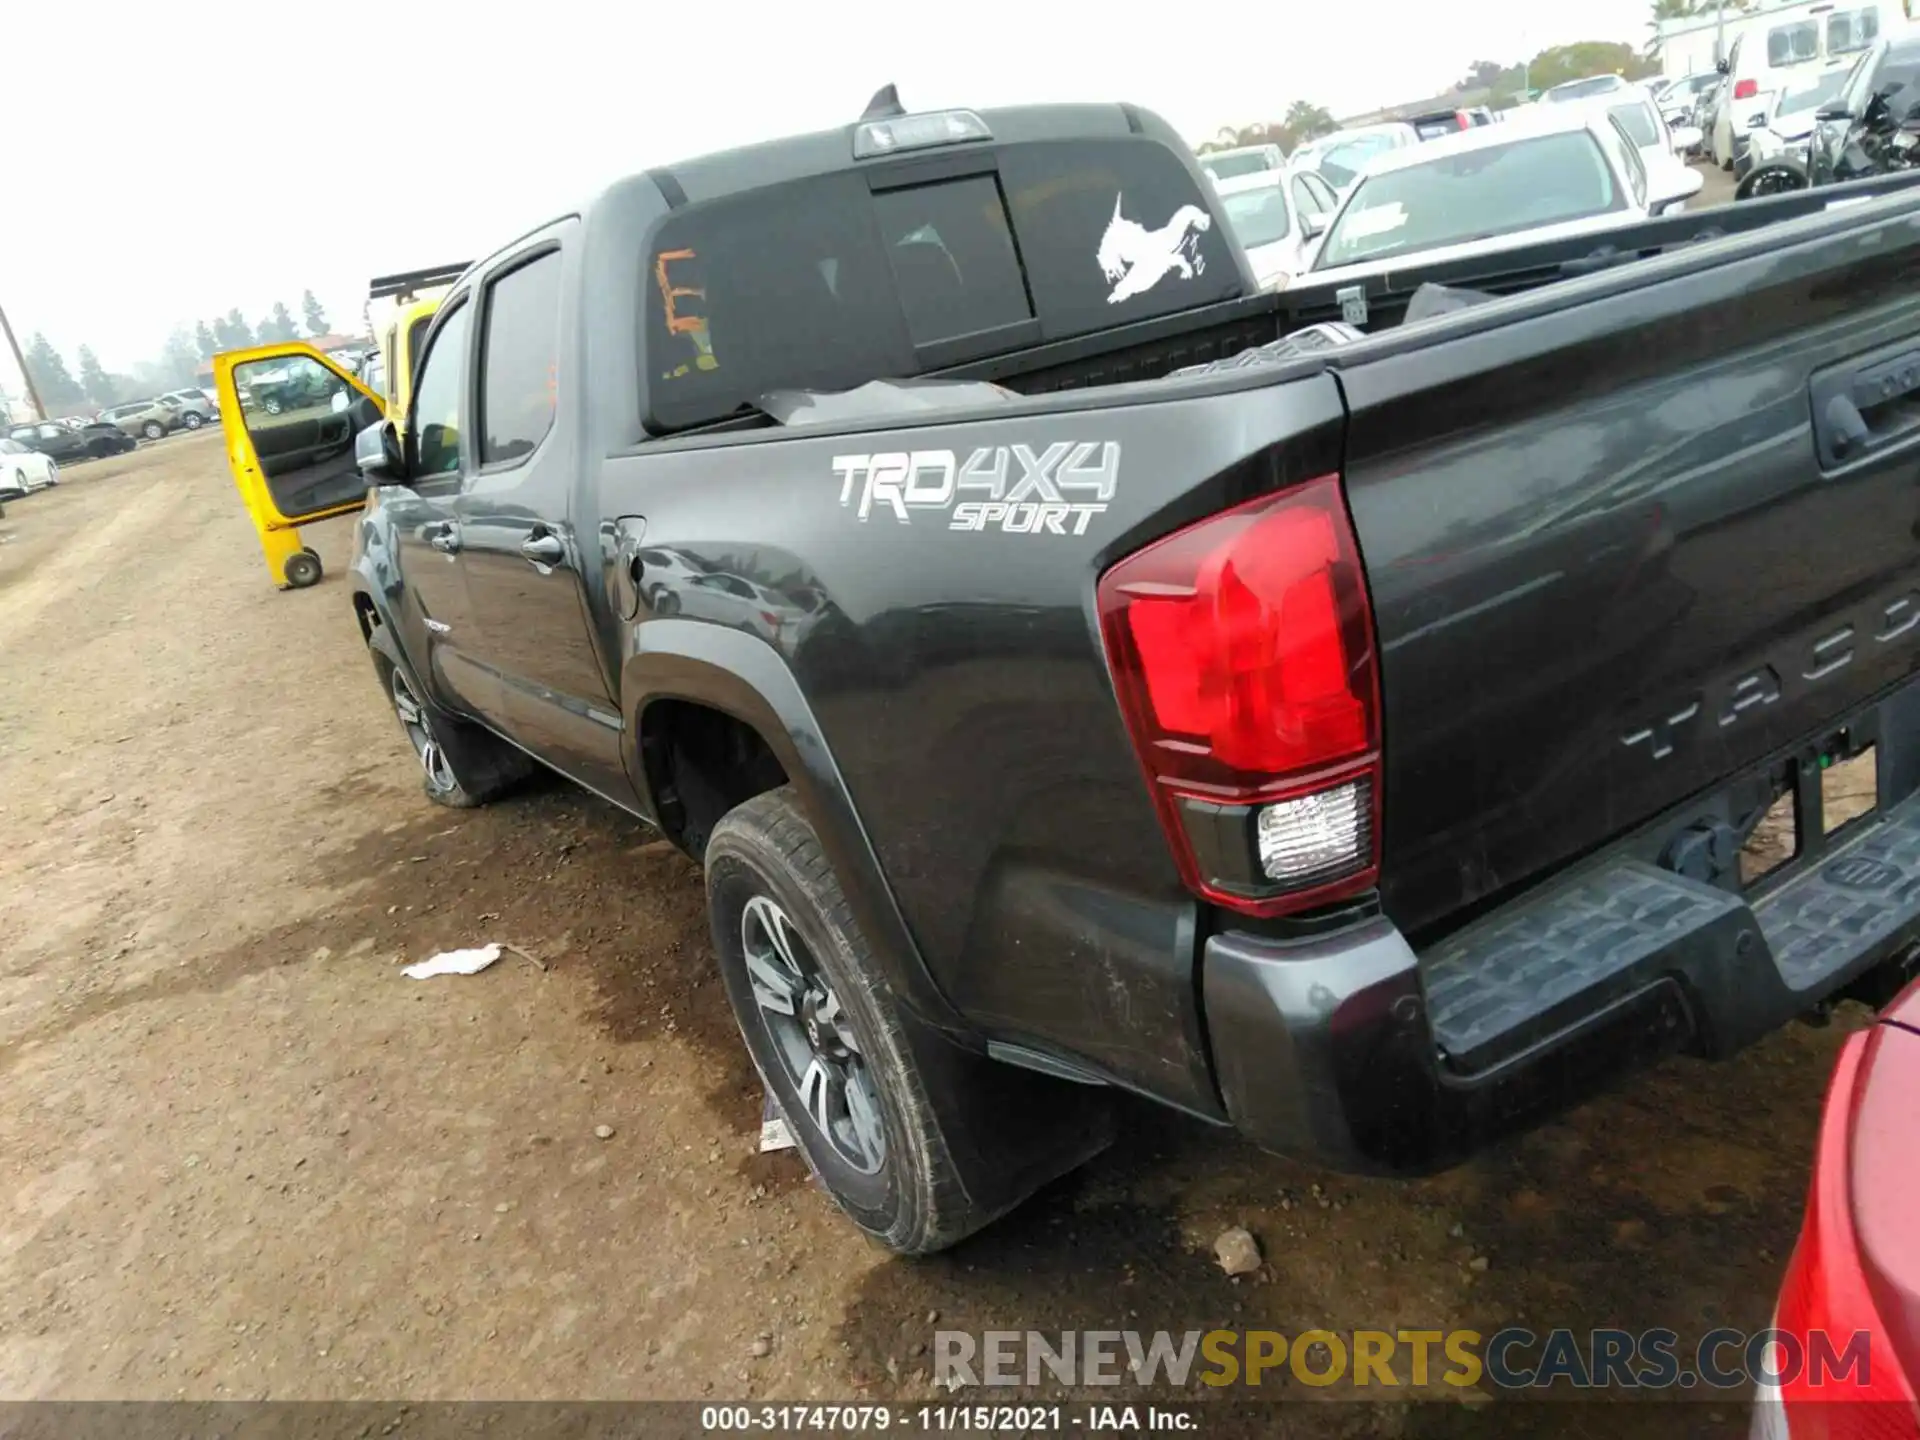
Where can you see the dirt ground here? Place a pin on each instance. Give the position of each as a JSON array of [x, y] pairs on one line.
[[241, 1156]]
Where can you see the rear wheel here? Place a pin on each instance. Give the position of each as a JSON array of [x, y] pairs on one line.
[[1779, 177], [461, 765], [191, 420], [920, 1142], [154, 430]]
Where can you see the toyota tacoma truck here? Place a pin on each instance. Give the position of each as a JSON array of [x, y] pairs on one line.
[[1342, 716]]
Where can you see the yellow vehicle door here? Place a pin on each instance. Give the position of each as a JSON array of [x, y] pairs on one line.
[[402, 352], [291, 416]]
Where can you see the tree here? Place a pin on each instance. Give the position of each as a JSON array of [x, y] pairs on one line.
[[1561, 63], [179, 358], [277, 326], [1481, 75], [57, 388], [1306, 122], [233, 332], [95, 380], [316, 317], [203, 337]]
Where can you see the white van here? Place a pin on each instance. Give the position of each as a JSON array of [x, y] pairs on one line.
[[1783, 44]]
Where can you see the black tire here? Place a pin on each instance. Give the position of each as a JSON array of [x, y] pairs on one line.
[[462, 766], [302, 568], [1778, 177], [962, 1139], [191, 420], [665, 602], [154, 430]]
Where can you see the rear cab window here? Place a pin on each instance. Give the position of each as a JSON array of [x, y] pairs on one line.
[[1793, 44], [895, 268]]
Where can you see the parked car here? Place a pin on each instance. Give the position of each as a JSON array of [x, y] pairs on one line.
[[1661, 147], [1347, 741], [1795, 38], [1434, 123], [1784, 142], [1855, 1270], [1342, 156], [24, 470], [1278, 216], [1873, 126], [1244, 160], [1593, 87], [145, 419], [1552, 172], [196, 407], [1679, 101]]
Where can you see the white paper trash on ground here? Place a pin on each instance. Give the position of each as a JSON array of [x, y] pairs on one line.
[[774, 1134], [454, 962]]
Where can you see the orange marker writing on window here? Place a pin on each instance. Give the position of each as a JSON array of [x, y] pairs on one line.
[[677, 324]]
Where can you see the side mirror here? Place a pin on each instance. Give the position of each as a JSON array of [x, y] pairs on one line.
[[1721, 66], [1314, 226], [1687, 137], [1833, 112], [376, 454]]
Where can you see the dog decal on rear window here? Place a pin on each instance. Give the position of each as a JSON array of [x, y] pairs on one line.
[[1136, 259]]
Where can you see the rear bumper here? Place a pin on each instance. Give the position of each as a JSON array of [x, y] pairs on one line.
[[1355, 1053]]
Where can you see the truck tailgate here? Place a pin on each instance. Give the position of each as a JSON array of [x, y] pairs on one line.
[[1624, 543]]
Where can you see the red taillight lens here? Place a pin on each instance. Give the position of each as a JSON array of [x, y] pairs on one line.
[[1745, 89], [1461, 116], [1242, 649]]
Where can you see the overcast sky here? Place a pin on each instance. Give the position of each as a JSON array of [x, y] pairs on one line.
[[177, 164]]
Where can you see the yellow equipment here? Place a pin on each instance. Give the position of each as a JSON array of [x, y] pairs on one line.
[[290, 416]]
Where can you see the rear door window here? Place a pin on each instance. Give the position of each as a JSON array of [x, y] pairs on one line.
[[519, 358]]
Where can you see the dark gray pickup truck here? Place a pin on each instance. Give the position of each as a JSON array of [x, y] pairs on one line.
[[1078, 671]]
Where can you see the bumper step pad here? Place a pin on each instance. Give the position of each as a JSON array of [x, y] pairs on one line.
[[1822, 923], [1531, 972]]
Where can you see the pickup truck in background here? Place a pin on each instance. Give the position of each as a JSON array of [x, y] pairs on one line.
[[1358, 716]]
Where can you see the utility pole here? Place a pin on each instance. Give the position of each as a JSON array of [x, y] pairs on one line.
[[1719, 31], [26, 375]]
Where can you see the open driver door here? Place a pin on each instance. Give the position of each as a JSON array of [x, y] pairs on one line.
[[291, 416]]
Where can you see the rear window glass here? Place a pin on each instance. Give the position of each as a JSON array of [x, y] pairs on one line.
[[1258, 217], [1225, 167], [1452, 199], [824, 284], [1637, 120], [953, 258]]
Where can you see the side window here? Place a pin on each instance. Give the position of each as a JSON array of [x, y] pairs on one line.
[[953, 258], [50, 432], [1629, 156], [1850, 30], [1793, 44], [519, 360], [1898, 83], [1305, 200], [435, 423]]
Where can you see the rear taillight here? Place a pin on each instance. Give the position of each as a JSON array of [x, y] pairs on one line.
[[1242, 651], [1839, 1375], [1460, 116], [1745, 89]]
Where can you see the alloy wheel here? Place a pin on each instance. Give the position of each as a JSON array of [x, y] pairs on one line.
[[813, 1036], [413, 719]]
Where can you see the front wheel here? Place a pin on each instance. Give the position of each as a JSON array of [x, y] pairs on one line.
[[191, 420], [154, 430], [919, 1142], [1777, 177], [53, 473]]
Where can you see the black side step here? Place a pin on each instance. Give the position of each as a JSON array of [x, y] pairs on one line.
[[1828, 924]]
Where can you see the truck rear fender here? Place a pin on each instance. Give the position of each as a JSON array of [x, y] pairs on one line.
[[742, 677]]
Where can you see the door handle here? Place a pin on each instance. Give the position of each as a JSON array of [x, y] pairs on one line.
[[444, 536], [543, 547]]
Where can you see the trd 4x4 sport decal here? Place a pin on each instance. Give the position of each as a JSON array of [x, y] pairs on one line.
[[1057, 492], [1138, 259]]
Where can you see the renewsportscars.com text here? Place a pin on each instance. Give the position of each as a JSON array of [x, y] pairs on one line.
[[1513, 1358]]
